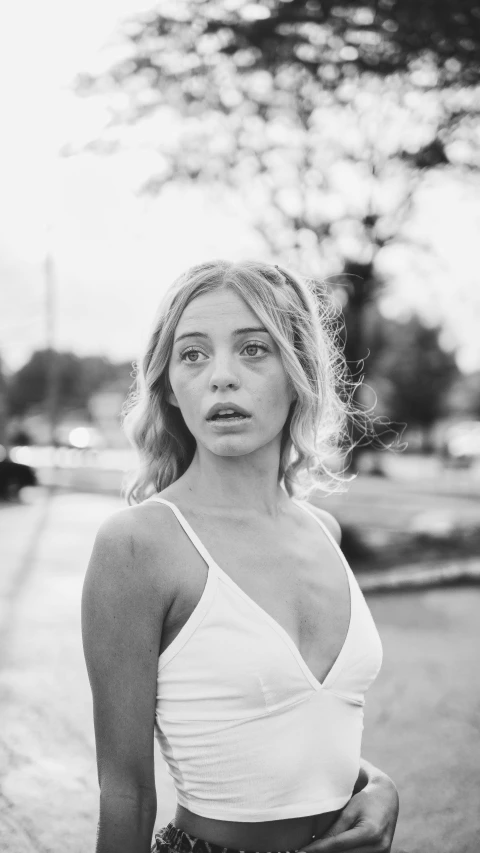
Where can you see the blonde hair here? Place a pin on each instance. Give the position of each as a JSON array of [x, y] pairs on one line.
[[305, 323]]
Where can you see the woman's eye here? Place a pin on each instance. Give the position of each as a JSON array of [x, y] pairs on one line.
[[256, 346], [185, 356], [188, 352]]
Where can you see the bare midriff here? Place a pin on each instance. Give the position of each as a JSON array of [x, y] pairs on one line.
[[269, 835]]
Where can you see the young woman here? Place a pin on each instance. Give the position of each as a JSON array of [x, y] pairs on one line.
[[218, 610]]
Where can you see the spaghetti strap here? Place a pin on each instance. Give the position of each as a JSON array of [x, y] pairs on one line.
[[351, 577], [188, 530], [305, 506]]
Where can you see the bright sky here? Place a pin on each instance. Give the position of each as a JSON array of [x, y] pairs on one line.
[[114, 254]]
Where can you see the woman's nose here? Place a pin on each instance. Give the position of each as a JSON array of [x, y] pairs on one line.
[[223, 374]]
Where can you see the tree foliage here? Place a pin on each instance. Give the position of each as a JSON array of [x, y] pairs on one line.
[[322, 117], [329, 40], [229, 57], [3, 404], [413, 372], [78, 378], [464, 396]]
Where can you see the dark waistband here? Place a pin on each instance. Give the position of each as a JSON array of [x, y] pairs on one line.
[[183, 842]]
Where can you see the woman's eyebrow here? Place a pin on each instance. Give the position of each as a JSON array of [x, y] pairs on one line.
[[246, 330]]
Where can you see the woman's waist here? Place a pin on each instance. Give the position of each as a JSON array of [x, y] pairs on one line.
[[277, 835]]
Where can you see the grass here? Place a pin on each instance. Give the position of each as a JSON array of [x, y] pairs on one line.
[[390, 521]]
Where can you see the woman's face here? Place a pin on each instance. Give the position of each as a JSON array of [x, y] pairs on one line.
[[222, 355]]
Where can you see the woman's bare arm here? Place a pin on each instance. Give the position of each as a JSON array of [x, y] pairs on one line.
[[123, 606]]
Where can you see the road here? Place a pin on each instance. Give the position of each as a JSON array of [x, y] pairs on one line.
[[421, 721]]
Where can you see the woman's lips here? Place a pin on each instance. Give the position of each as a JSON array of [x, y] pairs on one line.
[[224, 423]]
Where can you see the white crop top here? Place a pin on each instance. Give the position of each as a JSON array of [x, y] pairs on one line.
[[247, 731]]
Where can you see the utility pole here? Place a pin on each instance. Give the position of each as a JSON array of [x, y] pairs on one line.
[[52, 357]]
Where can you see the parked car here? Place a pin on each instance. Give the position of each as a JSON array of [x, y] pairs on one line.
[[13, 477]]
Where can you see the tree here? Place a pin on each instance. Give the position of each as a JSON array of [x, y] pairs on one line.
[[3, 406], [218, 64], [464, 396], [324, 118], [414, 374], [78, 379]]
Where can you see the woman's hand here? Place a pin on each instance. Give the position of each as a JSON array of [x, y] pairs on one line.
[[367, 823]]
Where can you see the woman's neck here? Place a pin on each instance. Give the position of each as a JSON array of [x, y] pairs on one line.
[[239, 487]]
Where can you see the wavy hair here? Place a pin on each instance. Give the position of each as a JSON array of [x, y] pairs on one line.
[[305, 323]]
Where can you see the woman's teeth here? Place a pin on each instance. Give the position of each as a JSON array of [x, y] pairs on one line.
[[225, 417]]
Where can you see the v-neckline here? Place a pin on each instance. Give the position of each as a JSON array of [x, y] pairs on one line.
[[281, 631]]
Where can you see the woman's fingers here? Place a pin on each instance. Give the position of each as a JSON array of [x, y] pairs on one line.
[[356, 840]]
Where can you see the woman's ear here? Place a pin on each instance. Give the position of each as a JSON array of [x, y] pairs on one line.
[[172, 399], [169, 393]]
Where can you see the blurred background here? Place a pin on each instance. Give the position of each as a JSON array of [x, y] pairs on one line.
[[341, 140]]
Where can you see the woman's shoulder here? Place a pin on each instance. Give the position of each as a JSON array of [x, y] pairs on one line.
[[139, 523], [138, 540], [327, 519]]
